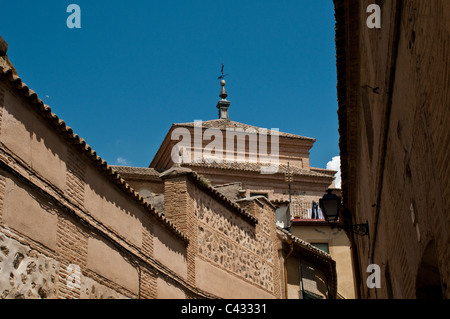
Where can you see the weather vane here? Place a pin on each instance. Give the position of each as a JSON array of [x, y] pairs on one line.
[[223, 75]]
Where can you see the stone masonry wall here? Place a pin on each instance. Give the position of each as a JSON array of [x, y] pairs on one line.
[[25, 273], [233, 244]]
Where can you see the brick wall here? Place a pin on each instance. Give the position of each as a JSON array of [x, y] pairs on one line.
[[71, 249], [75, 178], [176, 201]]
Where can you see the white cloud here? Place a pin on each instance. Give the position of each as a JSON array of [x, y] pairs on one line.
[[122, 161], [335, 165]]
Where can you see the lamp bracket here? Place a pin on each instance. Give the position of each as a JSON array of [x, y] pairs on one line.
[[358, 229]]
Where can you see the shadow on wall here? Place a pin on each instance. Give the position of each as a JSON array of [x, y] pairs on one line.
[[429, 281], [27, 135]]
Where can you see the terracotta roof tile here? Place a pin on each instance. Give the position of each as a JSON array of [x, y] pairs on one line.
[[82, 146], [256, 167], [136, 171], [224, 124], [228, 202], [197, 179], [286, 236], [304, 244]]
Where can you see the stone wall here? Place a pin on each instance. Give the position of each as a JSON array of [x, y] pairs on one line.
[[234, 244], [26, 273], [224, 240]]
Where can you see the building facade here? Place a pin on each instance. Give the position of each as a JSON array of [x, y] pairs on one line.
[[393, 92], [72, 226], [228, 155]]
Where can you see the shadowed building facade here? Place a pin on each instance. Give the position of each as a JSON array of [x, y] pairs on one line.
[[236, 158], [394, 92]]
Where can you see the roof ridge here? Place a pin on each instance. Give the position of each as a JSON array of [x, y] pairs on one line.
[[255, 167], [196, 177], [228, 122], [304, 243]]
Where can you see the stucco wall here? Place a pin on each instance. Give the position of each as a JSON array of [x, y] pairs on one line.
[[66, 230], [27, 136]]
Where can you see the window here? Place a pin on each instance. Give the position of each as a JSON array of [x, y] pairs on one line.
[[322, 246]]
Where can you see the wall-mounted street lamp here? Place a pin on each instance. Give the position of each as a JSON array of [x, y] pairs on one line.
[[331, 205]]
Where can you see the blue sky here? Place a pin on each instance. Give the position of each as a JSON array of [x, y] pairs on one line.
[[135, 67]]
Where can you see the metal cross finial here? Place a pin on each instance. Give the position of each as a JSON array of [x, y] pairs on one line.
[[223, 75]]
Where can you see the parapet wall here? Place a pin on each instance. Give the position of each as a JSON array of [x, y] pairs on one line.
[[70, 227]]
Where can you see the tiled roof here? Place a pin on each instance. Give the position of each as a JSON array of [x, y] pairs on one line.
[[323, 171], [228, 202], [258, 198], [304, 244], [67, 133], [224, 124], [256, 167], [233, 191], [199, 182]]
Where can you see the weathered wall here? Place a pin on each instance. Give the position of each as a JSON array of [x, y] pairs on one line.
[[222, 139], [402, 144], [66, 229], [228, 255], [273, 184], [233, 244]]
